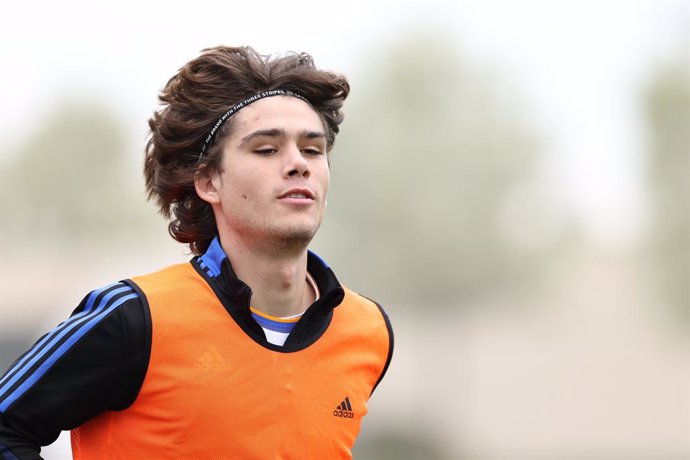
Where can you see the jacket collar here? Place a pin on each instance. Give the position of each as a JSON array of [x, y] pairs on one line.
[[235, 295]]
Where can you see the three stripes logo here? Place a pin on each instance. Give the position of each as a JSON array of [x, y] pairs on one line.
[[210, 360], [344, 410], [35, 363]]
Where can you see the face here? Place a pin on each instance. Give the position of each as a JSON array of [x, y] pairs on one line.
[[274, 175]]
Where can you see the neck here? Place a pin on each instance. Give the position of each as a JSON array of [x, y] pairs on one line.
[[277, 277]]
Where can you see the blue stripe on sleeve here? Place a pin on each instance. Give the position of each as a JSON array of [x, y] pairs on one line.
[[48, 363], [85, 323], [64, 327], [55, 335]]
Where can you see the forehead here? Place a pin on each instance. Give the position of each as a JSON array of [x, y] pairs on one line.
[[283, 112]]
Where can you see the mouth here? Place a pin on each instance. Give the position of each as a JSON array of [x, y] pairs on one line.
[[298, 193]]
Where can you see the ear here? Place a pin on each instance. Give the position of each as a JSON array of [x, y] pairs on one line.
[[207, 186]]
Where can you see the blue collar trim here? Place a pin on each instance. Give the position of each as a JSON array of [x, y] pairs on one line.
[[213, 258]]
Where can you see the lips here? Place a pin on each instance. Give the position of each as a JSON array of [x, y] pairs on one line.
[[298, 193]]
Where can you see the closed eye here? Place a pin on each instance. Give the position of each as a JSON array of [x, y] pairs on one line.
[[312, 151], [266, 151]]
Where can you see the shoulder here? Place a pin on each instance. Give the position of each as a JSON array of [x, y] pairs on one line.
[[367, 304], [115, 310], [171, 278], [369, 315], [377, 325], [104, 304], [104, 339]]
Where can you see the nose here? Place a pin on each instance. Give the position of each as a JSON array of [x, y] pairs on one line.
[[295, 163]]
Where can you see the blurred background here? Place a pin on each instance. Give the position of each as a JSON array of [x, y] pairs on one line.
[[511, 183]]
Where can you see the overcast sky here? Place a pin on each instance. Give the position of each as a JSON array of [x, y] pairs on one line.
[[579, 65]]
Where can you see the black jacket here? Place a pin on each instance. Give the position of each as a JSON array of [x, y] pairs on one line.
[[96, 360]]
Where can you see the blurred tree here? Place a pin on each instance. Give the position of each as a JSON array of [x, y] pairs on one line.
[[667, 107], [69, 182], [73, 208], [429, 155], [397, 445]]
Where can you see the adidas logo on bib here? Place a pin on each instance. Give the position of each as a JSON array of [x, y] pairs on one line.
[[344, 410]]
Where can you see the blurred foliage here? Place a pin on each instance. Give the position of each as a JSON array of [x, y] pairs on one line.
[[667, 107], [69, 182], [430, 154], [397, 446]]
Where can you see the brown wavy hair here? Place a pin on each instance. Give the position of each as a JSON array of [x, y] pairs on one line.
[[195, 98]]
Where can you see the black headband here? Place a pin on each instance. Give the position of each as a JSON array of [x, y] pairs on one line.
[[212, 134]]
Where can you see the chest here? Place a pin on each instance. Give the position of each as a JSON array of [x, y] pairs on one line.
[[209, 382]]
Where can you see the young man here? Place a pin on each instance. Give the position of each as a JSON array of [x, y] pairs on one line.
[[251, 350]]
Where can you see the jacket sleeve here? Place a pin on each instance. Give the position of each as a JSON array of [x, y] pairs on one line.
[[92, 362]]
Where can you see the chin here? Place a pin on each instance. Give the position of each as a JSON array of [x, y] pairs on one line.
[[296, 236]]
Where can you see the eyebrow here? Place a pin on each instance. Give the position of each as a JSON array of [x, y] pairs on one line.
[[280, 132]]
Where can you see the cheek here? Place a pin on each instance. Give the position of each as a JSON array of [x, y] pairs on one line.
[[323, 175], [239, 186]]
